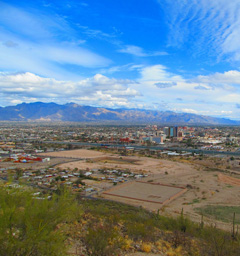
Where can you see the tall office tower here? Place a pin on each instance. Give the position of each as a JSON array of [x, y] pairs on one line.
[[166, 130], [175, 131], [171, 131]]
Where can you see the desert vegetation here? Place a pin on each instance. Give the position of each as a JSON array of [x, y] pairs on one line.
[[61, 224]]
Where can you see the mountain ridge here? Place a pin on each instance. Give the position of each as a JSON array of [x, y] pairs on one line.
[[72, 112]]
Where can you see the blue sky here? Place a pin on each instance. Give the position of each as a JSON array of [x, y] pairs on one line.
[[179, 55]]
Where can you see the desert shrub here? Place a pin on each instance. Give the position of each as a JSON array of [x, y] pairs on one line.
[[103, 240], [146, 247], [141, 231], [30, 226]]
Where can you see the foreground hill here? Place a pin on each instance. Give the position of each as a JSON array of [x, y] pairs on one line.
[[71, 112], [61, 224]]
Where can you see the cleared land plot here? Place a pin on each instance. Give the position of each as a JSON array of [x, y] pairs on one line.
[[204, 185], [133, 163], [229, 180], [79, 153], [115, 160], [146, 192]]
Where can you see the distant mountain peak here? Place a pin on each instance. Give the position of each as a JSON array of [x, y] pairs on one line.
[[73, 112]]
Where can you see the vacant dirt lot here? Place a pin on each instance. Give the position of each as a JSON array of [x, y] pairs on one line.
[[144, 193], [204, 186], [229, 180], [79, 153], [134, 163]]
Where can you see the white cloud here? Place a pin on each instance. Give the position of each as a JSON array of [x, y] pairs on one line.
[[201, 87], [48, 60], [124, 68], [73, 55], [178, 95], [216, 94], [228, 81], [229, 98], [34, 25], [189, 110], [97, 90], [158, 73], [15, 102], [139, 52], [94, 33], [42, 44], [228, 77], [209, 26]]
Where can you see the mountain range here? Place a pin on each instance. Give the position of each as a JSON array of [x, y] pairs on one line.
[[72, 112]]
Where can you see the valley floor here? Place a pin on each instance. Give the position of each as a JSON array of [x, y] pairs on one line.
[[205, 186]]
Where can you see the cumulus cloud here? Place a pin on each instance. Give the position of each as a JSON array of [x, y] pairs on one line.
[[189, 110], [216, 94], [228, 77], [179, 95], [95, 90], [228, 81], [158, 73]]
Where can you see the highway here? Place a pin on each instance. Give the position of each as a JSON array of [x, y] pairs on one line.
[[178, 149]]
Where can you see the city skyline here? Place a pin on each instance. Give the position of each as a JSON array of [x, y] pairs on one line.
[[181, 56]]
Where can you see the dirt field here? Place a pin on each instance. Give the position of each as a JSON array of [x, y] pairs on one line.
[[144, 164], [204, 187], [145, 192], [79, 153], [229, 180]]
